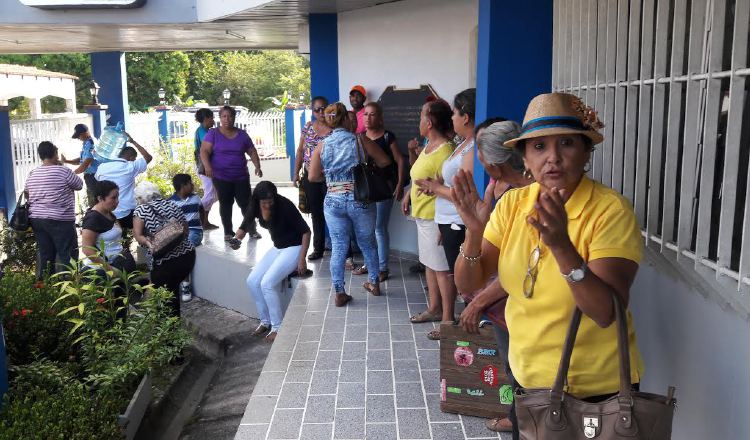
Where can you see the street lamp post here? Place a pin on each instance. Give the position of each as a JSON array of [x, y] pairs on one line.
[[94, 90], [162, 95], [226, 94]]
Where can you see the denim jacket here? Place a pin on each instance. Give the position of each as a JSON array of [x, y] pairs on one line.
[[339, 156]]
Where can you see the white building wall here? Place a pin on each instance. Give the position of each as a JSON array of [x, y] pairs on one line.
[[406, 44], [690, 342]]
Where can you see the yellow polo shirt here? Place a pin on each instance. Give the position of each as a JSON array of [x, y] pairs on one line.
[[601, 224], [427, 165]]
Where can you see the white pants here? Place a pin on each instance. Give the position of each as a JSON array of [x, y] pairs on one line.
[[265, 280], [209, 192]]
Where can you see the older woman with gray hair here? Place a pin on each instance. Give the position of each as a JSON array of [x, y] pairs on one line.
[[505, 168], [152, 213]]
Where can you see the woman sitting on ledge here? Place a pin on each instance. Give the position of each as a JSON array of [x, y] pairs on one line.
[[291, 238]]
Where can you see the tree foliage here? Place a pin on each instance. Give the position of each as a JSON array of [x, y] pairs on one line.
[[149, 71]]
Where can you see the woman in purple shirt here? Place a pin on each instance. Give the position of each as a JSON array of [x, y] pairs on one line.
[[223, 155]]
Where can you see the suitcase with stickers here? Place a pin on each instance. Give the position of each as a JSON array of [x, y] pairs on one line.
[[472, 374]]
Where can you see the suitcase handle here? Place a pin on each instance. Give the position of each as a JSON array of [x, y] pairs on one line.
[[482, 323]]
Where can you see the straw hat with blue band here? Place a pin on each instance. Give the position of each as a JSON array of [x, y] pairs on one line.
[[558, 113]]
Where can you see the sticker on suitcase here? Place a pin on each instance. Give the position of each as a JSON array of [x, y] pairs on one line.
[[463, 356], [489, 375]]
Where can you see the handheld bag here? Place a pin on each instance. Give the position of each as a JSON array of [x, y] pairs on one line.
[[19, 221], [370, 182], [545, 414], [167, 237]]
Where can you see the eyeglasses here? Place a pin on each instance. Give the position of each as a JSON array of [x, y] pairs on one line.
[[531, 272], [319, 109]]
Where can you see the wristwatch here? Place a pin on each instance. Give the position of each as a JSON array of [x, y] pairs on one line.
[[576, 274]]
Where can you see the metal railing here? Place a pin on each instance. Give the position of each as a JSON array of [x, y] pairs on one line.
[[27, 134], [669, 78]]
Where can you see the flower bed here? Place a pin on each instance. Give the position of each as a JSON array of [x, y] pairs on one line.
[[77, 353]]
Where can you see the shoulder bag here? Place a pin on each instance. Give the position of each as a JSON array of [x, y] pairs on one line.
[[20, 218], [370, 182], [167, 237], [545, 414]]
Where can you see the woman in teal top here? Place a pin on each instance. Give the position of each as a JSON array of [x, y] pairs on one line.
[[205, 118]]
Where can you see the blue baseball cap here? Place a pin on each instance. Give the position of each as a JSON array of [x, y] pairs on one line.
[[79, 129]]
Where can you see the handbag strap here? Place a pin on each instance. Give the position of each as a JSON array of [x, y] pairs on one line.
[[21, 197], [360, 145], [625, 394]]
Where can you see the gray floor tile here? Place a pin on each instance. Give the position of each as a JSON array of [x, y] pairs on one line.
[[447, 431], [351, 395], [474, 427], [428, 359], [259, 409], [269, 383], [324, 382], [433, 407], [377, 325], [402, 332], [409, 395], [317, 431], [379, 382], [399, 316], [382, 431], [415, 308], [378, 311], [404, 350], [305, 351], [277, 361], [431, 381], [251, 432], [412, 424], [357, 317], [334, 324], [313, 318], [350, 424], [406, 371], [352, 371], [286, 424], [396, 304], [293, 395], [422, 341], [355, 333], [378, 341], [414, 296], [328, 360], [379, 360], [331, 340], [317, 305], [380, 408], [299, 371], [320, 409], [354, 351], [310, 333]]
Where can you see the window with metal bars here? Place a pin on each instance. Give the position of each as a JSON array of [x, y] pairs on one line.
[[669, 79]]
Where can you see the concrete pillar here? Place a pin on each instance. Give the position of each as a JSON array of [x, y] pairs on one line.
[[35, 106], [294, 121], [7, 182], [324, 56], [99, 116], [70, 105], [508, 53], [108, 70]]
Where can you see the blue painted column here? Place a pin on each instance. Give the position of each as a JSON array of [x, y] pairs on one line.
[[324, 56], [164, 133], [514, 61], [293, 121], [108, 69], [7, 183], [99, 117]]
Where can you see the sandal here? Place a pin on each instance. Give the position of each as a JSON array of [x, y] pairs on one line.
[[499, 425], [361, 270], [260, 330], [372, 288], [426, 316], [434, 335]]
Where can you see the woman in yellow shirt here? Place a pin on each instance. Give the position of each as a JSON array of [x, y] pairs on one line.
[[560, 243], [436, 125]]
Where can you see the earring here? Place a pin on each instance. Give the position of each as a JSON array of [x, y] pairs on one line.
[[527, 174], [587, 167]]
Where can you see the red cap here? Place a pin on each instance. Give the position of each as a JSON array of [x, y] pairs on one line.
[[359, 89]]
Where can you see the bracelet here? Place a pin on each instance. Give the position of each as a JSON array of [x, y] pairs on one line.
[[471, 260]]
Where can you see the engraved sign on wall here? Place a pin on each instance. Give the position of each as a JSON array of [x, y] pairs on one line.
[[401, 109]]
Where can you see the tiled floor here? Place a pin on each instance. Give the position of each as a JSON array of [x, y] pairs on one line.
[[361, 371]]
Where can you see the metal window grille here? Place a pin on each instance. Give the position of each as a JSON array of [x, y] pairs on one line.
[[669, 79]]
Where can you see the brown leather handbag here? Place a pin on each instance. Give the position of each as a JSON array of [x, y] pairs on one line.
[[545, 414]]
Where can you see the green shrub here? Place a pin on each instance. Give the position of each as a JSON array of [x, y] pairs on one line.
[[17, 249], [30, 319], [170, 161], [70, 412]]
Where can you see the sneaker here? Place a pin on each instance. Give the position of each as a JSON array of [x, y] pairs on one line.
[[270, 337], [261, 329], [342, 299]]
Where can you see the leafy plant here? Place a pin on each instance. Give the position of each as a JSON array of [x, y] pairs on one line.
[[17, 249], [168, 161]]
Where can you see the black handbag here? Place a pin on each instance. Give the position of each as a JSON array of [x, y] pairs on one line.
[[371, 183], [20, 218]]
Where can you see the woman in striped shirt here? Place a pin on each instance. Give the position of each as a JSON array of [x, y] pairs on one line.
[[50, 192]]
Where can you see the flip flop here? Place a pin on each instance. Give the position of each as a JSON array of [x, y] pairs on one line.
[[434, 335], [426, 316]]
